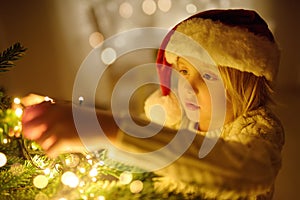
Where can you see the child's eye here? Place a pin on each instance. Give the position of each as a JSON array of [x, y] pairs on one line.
[[209, 77], [183, 72]]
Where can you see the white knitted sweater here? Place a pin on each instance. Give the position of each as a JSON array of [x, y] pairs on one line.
[[243, 164]]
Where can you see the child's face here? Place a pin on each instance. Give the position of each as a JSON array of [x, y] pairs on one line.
[[201, 92]]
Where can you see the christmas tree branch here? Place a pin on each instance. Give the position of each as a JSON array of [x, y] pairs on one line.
[[11, 54]]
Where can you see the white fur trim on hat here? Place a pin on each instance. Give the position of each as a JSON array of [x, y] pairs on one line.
[[228, 46]]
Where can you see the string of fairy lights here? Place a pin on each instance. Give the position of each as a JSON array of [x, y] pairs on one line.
[[76, 171]]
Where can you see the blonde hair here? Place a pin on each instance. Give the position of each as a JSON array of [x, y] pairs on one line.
[[245, 91]]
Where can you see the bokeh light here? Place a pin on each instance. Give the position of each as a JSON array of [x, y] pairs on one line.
[[125, 10], [40, 181], [136, 186], [96, 39], [164, 5], [3, 159], [108, 56], [70, 179], [149, 7], [125, 177], [191, 8]]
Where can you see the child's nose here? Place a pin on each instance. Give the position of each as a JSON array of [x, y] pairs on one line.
[[191, 88]]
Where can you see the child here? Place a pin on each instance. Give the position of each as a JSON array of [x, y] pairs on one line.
[[228, 61]]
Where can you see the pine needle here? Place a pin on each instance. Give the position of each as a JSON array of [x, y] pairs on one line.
[[11, 54]]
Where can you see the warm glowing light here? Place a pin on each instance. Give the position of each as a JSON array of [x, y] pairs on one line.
[[126, 10], [125, 177], [82, 170], [191, 8], [5, 141], [90, 162], [19, 112], [164, 5], [70, 179], [95, 39], [40, 181], [17, 128], [149, 7], [3, 159], [17, 101], [101, 198], [34, 146], [108, 56], [47, 171], [80, 99], [136, 186], [93, 172], [46, 98]]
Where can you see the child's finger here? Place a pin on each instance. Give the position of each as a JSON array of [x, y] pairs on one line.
[[32, 99], [47, 142], [32, 112], [33, 130]]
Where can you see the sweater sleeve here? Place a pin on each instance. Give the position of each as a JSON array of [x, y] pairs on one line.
[[232, 169]]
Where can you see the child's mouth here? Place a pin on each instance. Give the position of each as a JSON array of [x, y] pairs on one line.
[[191, 106]]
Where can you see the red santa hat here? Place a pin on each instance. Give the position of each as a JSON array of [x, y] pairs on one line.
[[234, 38]]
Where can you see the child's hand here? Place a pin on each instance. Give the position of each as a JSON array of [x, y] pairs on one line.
[[52, 127], [32, 99]]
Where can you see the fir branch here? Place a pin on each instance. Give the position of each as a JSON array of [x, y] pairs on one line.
[[5, 100], [11, 54]]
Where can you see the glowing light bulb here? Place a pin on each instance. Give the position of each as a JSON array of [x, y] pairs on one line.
[[47, 171], [34, 146], [125, 177], [136, 186], [19, 112], [93, 172], [70, 179], [101, 198], [17, 101], [40, 181], [46, 98], [3, 159], [80, 99], [90, 162], [82, 170]]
